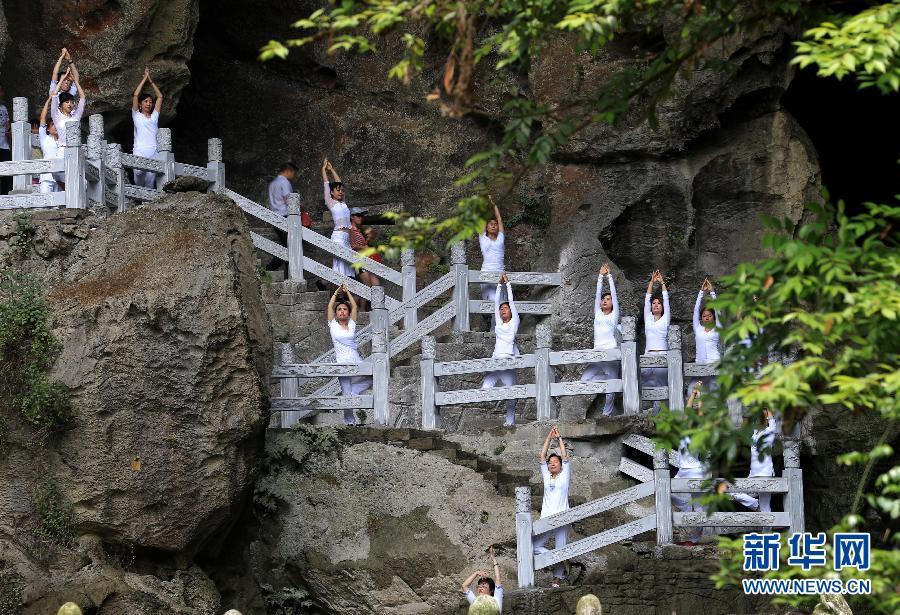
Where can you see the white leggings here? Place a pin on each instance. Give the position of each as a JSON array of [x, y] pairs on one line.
[[353, 385], [506, 377], [603, 370], [561, 537], [686, 503]]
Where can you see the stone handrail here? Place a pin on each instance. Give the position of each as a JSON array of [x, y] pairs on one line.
[[660, 485]]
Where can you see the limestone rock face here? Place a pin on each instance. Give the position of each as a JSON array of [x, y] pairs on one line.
[[165, 357], [111, 41]]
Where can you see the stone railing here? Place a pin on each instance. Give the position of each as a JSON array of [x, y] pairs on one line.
[[661, 486]]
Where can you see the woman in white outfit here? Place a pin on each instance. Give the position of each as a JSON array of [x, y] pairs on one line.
[[340, 214], [706, 334], [761, 465], [50, 182], [556, 474], [63, 107], [656, 329], [145, 116], [507, 319], [67, 84], [606, 319], [492, 243], [341, 316], [486, 586], [689, 467]]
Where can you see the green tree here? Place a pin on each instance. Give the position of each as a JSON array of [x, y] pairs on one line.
[[509, 33]]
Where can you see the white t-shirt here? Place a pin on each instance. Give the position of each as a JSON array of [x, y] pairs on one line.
[[556, 490], [707, 340], [605, 324], [686, 460], [4, 127], [505, 332], [492, 252], [498, 596], [145, 133], [763, 439], [344, 340], [656, 331], [279, 189]]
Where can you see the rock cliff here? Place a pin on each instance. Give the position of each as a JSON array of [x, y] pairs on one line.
[[165, 359]]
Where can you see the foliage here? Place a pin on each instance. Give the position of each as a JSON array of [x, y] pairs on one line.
[[829, 297], [289, 601], [56, 518], [866, 45], [20, 240], [510, 33], [11, 587], [28, 349]]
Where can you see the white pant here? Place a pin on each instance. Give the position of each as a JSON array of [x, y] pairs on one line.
[[755, 501], [561, 537], [654, 377], [338, 264], [604, 370], [353, 385], [147, 179], [685, 503], [506, 377]]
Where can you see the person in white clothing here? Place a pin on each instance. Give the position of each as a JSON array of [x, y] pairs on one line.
[[606, 319], [556, 475], [706, 334], [492, 244], [6, 182], [507, 319], [145, 116], [341, 316], [656, 329], [485, 586], [340, 214], [761, 463], [68, 85], [689, 467], [63, 107], [50, 182]]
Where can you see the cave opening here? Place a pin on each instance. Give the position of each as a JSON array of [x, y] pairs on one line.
[[855, 132]]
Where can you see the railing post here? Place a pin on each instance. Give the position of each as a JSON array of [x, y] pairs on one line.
[[524, 548], [461, 290], [675, 369], [114, 162], [662, 482], [289, 386], [294, 239], [21, 141], [408, 274], [381, 365], [631, 395], [794, 497], [76, 195], [165, 155], [96, 191], [735, 411], [215, 167], [543, 375], [428, 385]]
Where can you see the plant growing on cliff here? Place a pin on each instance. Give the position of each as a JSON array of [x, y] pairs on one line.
[[11, 587], [55, 515], [510, 34], [28, 349], [829, 295]]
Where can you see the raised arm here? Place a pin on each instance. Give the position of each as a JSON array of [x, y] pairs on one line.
[[82, 101], [497, 581], [667, 314], [697, 303], [137, 90], [329, 311], [512, 301], [599, 294], [468, 582], [562, 446], [329, 202], [615, 297], [353, 307], [43, 119], [498, 216], [712, 293], [334, 173], [546, 446], [54, 76], [157, 92]]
